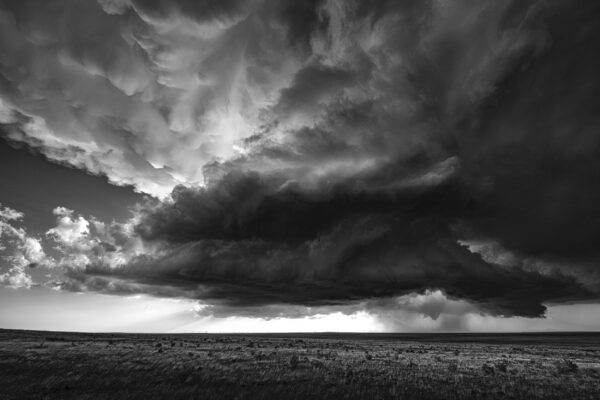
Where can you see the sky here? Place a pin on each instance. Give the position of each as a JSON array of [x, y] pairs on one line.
[[315, 165]]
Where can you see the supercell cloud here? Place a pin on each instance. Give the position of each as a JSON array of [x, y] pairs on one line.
[[319, 155]]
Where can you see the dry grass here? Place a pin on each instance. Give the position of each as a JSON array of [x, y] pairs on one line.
[[36, 365]]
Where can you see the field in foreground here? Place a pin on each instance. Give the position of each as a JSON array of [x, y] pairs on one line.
[[47, 365]]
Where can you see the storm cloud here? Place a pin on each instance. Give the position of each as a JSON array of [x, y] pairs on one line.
[[336, 155]]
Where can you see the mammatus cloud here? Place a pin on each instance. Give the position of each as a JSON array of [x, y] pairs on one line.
[[321, 154], [145, 92]]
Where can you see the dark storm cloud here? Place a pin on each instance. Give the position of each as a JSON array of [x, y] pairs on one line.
[[538, 144], [301, 18], [243, 206], [381, 148], [244, 246], [260, 238]]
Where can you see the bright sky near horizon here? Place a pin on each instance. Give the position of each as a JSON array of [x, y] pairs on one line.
[[45, 309]]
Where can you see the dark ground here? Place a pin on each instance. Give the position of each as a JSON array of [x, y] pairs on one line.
[[52, 365]]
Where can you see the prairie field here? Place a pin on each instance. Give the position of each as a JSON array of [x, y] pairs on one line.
[[52, 365]]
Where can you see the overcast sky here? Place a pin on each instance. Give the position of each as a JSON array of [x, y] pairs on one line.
[[300, 165]]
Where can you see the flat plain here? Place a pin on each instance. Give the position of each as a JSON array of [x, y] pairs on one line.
[[57, 365]]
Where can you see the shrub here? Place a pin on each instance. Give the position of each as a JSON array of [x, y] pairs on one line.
[[502, 367], [294, 361], [453, 367], [488, 369], [566, 367]]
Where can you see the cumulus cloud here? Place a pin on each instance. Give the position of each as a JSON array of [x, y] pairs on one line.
[[322, 153], [70, 230], [8, 214], [81, 242], [18, 251]]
